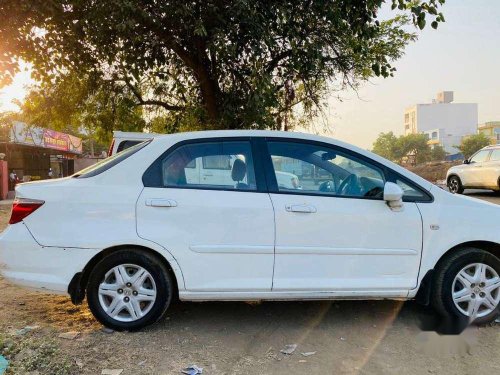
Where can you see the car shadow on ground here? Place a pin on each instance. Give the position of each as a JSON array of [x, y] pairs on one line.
[[283, 315]]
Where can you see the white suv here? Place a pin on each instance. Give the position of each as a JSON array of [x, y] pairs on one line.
[[480, 171], [141, 228]]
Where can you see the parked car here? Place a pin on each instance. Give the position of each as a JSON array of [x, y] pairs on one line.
[[123, 140], [480, 171], [135, 231]]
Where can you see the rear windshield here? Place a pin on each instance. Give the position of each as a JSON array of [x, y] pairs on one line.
[[107, 163]]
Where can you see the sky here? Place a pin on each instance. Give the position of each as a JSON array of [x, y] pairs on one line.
[[16, 90], [462, 55]]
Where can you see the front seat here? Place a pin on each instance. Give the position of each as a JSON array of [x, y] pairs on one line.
[[238, 173]]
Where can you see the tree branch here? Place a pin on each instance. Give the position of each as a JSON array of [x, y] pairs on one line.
[[142, 101], [273, 63], [159, 103]]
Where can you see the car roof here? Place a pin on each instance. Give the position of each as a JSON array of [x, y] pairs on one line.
[[244, 133], [254, 133], [117, 134], [491, 147]]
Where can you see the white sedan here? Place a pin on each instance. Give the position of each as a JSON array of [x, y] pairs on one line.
[[139, 229]]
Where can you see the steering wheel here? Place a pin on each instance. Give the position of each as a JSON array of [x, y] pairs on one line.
[[327, 187], [348, 183]]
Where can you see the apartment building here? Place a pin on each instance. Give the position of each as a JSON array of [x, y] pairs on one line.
[[492, 130], [443, 120]]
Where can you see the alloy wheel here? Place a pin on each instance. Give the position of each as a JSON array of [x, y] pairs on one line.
[[127, 293], [476, 290], [454, 185]]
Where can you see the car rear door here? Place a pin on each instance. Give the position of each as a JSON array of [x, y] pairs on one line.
[[220, 231], [333, 234]]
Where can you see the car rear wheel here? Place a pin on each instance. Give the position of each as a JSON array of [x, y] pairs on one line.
[[467, 286], [455, 185], [129, 289]]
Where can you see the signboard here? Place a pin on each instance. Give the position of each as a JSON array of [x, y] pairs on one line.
[[21, 133]]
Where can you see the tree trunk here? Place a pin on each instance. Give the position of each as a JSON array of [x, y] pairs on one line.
[[210, 94], [199, 63]]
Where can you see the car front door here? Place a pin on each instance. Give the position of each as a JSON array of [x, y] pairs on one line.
[[475, 174], [334, 232], [220, 230], [491, 169]]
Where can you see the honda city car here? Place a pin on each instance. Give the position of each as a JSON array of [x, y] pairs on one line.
[[250, 215]]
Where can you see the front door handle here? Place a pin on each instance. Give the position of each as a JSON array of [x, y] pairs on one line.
[[161, 202], [304, 208]]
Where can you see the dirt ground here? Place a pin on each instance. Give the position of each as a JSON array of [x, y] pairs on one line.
[[351, 337], [433, 171]]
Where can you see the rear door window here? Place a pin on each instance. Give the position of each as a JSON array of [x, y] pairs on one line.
[[212, 165]]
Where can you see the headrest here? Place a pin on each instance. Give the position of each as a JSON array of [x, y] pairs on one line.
[[239, 170]]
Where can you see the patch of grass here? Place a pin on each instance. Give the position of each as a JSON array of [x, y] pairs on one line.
[[27, 353]]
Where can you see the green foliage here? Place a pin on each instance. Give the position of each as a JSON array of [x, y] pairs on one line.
[[213, 63], [473, 143], [29, 355], [385, 145], [412, 147], [438, 153], [84, 106]]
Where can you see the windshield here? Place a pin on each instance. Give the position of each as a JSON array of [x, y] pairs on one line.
[[107, 163]]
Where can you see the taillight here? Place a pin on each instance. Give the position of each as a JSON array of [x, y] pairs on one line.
[[23, 207]]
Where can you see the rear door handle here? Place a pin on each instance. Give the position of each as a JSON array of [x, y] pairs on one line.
[[161, 202], [304, 208]]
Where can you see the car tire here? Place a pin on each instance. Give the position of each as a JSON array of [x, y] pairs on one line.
[[129, 289], [455, 185], [452, 298]]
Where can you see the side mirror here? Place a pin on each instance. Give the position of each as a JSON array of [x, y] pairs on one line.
[[393, 195], [466, 161]]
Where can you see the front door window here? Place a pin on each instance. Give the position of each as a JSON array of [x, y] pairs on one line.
[[480, 157], [313, 169]]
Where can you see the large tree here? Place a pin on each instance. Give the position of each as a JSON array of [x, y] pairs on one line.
[[473, 143], [218, 63], [412, 148], [386, 145]]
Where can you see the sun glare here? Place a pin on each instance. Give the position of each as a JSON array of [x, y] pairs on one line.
[[16, 90]]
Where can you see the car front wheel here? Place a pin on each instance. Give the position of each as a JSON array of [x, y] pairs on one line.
[[129, 289], [455, 185], [467, 286]]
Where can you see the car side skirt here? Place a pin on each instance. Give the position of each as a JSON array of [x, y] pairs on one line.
[[293, 295]]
